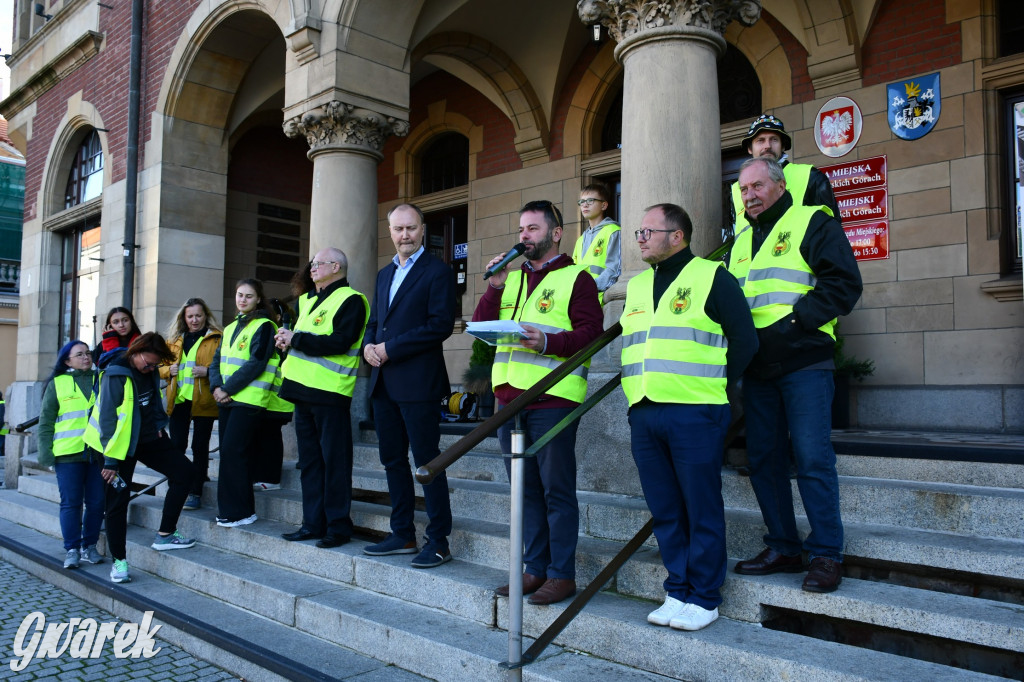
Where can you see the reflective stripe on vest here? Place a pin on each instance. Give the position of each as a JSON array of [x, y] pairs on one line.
[[235, 354], [332, 373], [121, 439], [777, 276], [186, 379], [72, 416], [675, 354], [547, 309], [798, 175]]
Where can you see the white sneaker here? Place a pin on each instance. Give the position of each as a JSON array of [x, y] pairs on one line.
[[666, 612], [266, 486], [693, 617], [119, 571], [224, 523]]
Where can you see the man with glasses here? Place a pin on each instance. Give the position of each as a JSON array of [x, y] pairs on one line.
[[556, 303], [413, 313], [798, 273], [686, 335], [319, 377], [598, 247]]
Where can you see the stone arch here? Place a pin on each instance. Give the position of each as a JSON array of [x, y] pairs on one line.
[[488, 69], [765, 52], [589, 104], [80, 119], [439, 120]]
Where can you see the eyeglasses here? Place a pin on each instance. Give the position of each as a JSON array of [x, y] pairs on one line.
[[75, 356], [317, 263], [151, 365], [645, 233], [588, 201]]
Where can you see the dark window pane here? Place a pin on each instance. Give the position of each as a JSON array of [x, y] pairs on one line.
[[445, 163]]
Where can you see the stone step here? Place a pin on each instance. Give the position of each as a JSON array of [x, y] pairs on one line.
[[246, 644], [440, 642]]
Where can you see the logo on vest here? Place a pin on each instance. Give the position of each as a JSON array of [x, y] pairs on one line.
[[599, 247], [546, 303], [319, 319], [782, 245], [243, 342], [681, 303]]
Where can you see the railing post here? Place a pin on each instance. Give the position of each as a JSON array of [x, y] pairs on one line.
[[515, 556]]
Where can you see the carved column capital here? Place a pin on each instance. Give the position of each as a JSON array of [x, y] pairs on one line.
[[627, 18], [337, 125]]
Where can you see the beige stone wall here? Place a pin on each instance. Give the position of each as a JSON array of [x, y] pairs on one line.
[[8, 342]]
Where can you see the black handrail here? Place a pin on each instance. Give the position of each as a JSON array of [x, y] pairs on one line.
[[20, 428]]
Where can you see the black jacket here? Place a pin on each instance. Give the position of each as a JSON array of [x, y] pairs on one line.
[[795, 341]]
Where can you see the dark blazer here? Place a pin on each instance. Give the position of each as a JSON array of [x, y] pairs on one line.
[[413, 328]]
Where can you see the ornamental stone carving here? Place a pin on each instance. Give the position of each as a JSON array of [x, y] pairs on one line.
[[337, 124], [625, 18]]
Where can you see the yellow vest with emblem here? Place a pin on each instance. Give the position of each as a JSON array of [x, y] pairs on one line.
[[595, 260], [120, 441], [798, 175], [72, 416], [333, 373], [675, 354], [234, 354], [777, 276], [547, 309]]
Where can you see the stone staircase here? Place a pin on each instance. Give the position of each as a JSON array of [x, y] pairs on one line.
[[934, 585]]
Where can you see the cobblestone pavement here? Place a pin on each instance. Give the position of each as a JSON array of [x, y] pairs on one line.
[[24, 594]]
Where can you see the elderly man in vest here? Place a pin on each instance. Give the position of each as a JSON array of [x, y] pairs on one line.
[[686, 334], [767, 138], [319, 377], [798, 273], [556, 303]]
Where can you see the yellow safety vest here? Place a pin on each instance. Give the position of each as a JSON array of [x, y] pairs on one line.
[[235, 354], [186, 379], [120, 441], [333, 373], [72, 416], [3, 427], [798, 175], [595, 260], [777, 276], [547, 309], [675, 354]]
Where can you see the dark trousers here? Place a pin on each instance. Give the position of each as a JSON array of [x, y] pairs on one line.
[[202, 427], [551, 513], [324, 435], [400, 425], [678, 454], [161, 456], [269, 447], [237, 444]]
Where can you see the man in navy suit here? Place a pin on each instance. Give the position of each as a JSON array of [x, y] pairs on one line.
[[413, 313]]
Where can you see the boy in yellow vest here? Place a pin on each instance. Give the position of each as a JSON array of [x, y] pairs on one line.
[[598, 249]]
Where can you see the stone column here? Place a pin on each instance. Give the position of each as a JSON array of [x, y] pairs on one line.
[[344, 146], [671, 150]]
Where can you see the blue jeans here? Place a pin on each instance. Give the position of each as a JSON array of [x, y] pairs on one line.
[[80, 482], [803, 399], [678, 455], [551, 513]]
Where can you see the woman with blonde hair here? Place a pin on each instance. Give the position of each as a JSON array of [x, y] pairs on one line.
[[194, 338]]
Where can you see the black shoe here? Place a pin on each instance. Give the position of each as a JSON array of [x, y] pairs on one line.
[[332, 540], [301, 534]]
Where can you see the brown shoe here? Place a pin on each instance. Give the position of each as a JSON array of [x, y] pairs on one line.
[[553, 591], [531, 583], [823, 576], [769, 561]]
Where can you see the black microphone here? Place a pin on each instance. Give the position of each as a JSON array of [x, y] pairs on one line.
[[513, 253]]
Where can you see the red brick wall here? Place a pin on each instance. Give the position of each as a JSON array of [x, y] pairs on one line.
[[803, 91], [103, 82], [498, 154], [907, 38], [268, 147]]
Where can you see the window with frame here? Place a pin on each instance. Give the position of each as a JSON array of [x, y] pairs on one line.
[[79, 282], [1010, 20], [85, 181], [445, 163], [1014, 116]]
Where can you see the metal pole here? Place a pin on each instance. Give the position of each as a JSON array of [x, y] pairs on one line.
[[515, 557], [131, 182]]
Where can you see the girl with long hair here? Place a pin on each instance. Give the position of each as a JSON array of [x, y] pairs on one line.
[[193, 338], [69, 394], [119, 330], [127, 425]]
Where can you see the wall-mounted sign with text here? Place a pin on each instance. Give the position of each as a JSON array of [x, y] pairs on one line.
[[861, 191]]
